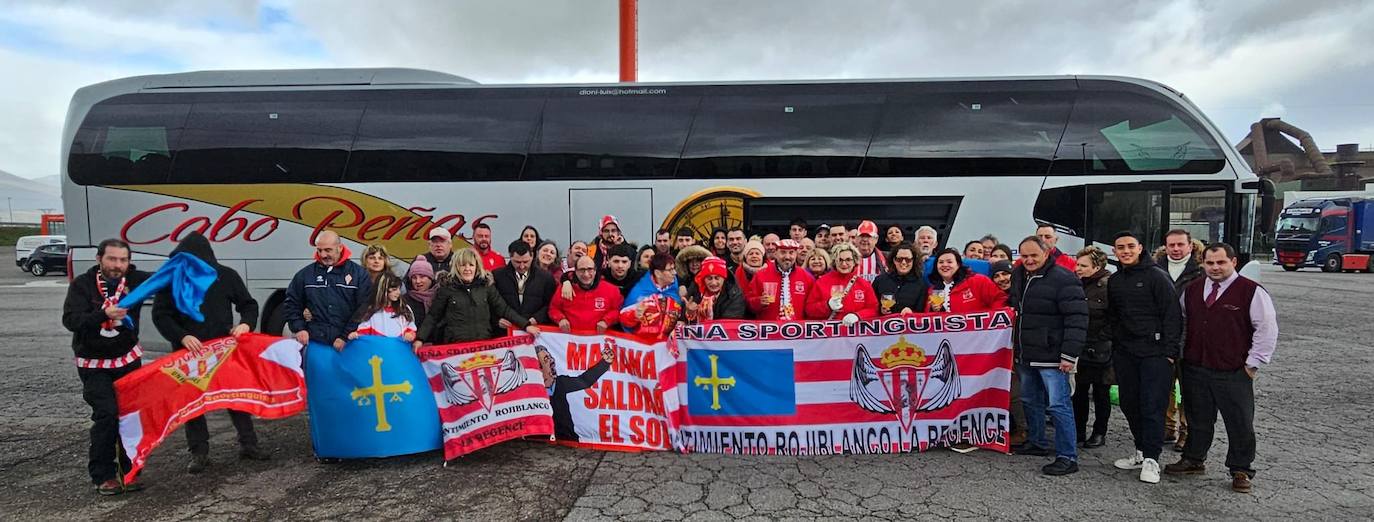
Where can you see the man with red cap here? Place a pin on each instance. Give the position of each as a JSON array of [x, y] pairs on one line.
[[600, 249], [779, 290], [871, 261], [715, 295]]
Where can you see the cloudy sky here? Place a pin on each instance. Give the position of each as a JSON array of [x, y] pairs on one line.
[[1307, 62]]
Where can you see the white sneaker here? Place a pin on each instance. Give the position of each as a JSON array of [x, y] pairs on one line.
[[1132, 462], [1149, 471]]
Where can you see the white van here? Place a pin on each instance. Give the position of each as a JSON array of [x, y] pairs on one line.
[[26, 244]]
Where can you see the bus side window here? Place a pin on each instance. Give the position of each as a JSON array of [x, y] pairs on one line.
[[126, 143], [1062, 207]]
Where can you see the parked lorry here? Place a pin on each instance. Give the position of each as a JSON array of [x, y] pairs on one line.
[[1334, 233]]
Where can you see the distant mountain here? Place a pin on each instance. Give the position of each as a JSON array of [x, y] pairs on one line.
[[25, 198], [52, 180]]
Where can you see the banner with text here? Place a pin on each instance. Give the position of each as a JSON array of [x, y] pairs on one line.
[[488, 392], [604, 389], [886, 385], [255, 373]]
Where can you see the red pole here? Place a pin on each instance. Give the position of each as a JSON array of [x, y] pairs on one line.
[[628, 40]]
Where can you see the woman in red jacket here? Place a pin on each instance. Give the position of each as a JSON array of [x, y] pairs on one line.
[[840, 293], [956, 289], [595, 304]]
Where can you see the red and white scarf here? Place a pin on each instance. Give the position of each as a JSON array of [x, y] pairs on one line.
[[109, 328]]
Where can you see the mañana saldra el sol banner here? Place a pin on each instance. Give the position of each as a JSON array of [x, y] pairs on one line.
[[887, 385]]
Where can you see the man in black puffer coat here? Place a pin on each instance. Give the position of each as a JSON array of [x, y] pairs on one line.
[[224, 296], [1051, 326], [1147, 325]]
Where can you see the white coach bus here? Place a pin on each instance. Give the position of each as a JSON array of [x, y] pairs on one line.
[[260, 161]]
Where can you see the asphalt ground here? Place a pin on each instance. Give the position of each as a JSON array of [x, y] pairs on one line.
[[1313, 423]]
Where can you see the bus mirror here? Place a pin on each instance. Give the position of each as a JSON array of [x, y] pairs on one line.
[[1266, 206]]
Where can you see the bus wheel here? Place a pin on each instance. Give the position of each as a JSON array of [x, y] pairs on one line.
[[1332, 264], [1290, 268], [276, 322]]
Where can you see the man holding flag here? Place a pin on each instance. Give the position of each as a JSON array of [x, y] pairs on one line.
[[186, 332], [106, 349]]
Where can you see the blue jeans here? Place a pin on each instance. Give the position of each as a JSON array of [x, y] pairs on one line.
[[1041, 385]]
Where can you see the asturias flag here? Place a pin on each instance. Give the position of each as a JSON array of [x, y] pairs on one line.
[[371, 400]]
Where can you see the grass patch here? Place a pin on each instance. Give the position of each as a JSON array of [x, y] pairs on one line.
[[10, 235]]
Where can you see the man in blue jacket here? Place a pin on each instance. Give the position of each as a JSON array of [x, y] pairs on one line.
[[332, 288], [1051, 327]]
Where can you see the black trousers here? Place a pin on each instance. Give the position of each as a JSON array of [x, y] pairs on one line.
[[1206, 392], [1143, 386], [1091, 386], [107, 459], [198, 432]]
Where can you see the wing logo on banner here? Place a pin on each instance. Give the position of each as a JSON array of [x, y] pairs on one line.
[[901, 382], [200, 368], [481, 378]]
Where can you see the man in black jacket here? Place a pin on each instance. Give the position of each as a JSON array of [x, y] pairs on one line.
[[620, 268], [106, 349], [526, 291], [1147, 325], [228, 293], [1051, 326]]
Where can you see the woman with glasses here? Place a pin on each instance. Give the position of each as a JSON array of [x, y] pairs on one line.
[[841, 293], [901, 289]]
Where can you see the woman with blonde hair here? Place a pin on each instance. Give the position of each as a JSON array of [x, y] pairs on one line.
[[817, 263], [463, 307], [841, 293]]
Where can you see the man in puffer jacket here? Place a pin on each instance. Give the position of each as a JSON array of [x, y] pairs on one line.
[[332, 288], [1147, 326], [1051, 326]]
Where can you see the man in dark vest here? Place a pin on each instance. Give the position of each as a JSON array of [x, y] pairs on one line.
[[1231, 332]]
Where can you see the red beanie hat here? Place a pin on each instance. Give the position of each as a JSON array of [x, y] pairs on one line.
[[711, 266]]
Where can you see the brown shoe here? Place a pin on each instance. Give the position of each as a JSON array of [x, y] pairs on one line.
[[1018, 438], [1186, 466], [1240, 482]]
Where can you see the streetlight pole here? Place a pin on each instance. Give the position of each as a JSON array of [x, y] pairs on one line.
[[10, 202]]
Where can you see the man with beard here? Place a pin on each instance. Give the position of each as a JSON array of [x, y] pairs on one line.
[[106, 349], [609, 236], [226, 294], [779, 290], [620, 268], [594, 302], [481, 239], [927, 240]]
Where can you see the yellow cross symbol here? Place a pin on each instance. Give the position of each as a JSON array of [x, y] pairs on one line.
[[377, 393], [715, 383]]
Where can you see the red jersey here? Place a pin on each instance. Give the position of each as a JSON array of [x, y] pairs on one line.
[[976, 293], [799, 283], [861, 300], [587, 307], [492, 260]]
